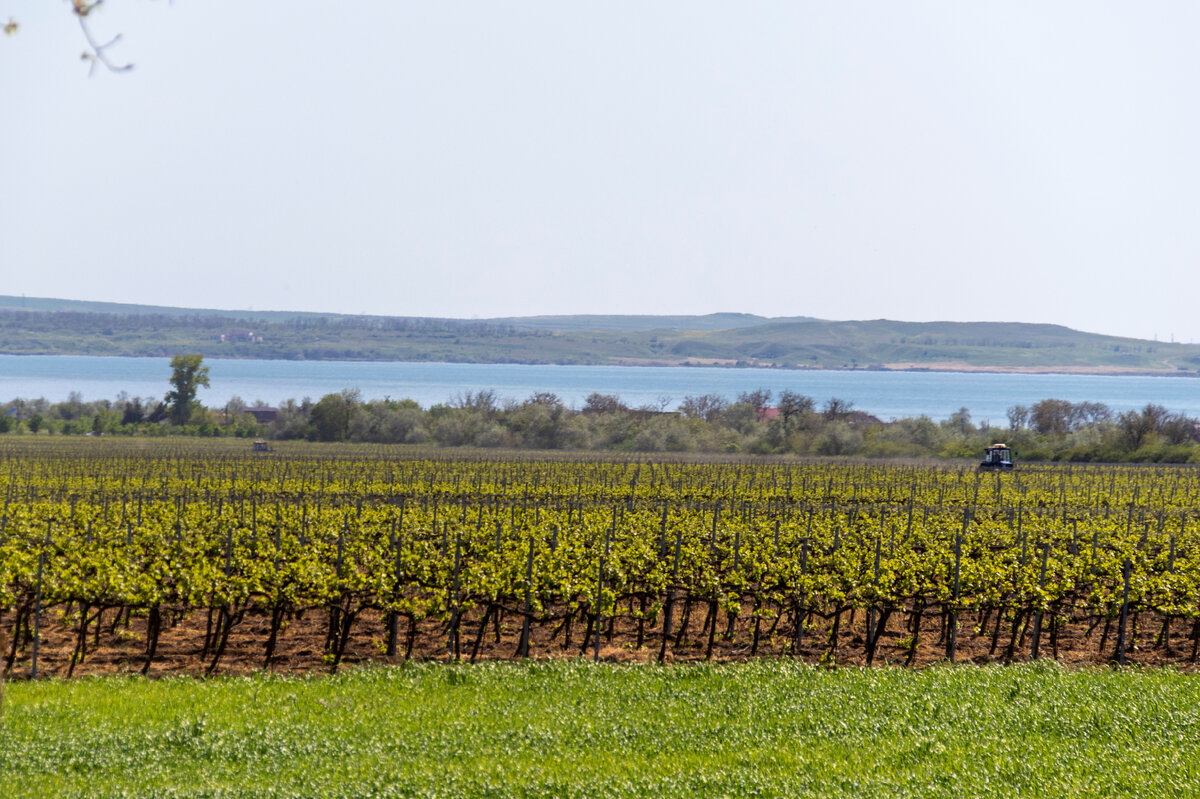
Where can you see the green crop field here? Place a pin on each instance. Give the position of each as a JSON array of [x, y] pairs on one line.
[[768, 728]]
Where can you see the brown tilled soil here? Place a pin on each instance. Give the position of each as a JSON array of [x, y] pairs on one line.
[[301, 647]]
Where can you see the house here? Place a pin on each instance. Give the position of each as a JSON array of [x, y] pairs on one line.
[[263, 414], [767, 414]]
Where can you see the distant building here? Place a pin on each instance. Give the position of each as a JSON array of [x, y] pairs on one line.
[[767, 414], [862, 419], [239, 336], [262, 414]]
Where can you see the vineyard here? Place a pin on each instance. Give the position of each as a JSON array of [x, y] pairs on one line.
[[182, 557]]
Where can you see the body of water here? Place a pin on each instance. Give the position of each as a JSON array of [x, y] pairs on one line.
[[885, 394]]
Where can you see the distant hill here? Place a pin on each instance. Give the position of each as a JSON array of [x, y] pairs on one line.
[[10, 303], [716, 321], [34, 325]]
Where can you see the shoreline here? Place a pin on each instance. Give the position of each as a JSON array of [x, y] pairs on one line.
[[936, 367]]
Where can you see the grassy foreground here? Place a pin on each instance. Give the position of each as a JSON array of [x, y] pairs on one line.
[[576, 729]]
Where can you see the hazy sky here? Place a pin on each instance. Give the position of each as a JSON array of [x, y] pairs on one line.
[[1018, 161]]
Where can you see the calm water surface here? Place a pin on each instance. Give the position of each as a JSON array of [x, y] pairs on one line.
[[885, 394]]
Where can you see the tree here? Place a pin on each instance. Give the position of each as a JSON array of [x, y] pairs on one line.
[[839, 438], [187, 375], [603, 403], [836, 408], [758, 400], [708, 407], [1018, 417], [1136, 428], [331, 417], [483, 401], [960, 422], [792, 405], [540, 421], [74, 403], [1052, 417], [1092, 413]]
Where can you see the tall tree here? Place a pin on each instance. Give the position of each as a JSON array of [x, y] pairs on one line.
[[758, 399], [708, 407], [793, 405], [331, 416], [837, 408], [188, 374]]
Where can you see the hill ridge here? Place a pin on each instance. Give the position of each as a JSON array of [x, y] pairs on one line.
[[37, 325]]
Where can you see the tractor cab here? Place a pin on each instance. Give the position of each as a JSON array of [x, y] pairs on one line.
[[996, 458]]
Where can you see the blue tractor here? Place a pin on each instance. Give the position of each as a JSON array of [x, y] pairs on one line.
[[997, 458]]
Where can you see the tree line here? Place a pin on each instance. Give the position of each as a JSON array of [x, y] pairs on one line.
[[756, 422]]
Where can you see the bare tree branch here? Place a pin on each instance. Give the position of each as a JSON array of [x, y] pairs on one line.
[[97, 54]]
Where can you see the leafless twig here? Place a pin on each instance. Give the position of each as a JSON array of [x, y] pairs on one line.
[[97, 54]]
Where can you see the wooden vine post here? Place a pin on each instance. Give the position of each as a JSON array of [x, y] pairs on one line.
[[37, 603], [952, 621], [1124, 614], [523, 646], [3, 644], [662, 653]]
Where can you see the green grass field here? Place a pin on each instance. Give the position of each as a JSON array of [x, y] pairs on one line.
[[576, 729]]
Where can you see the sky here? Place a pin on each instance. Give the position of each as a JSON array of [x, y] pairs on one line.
[[1016, 161]]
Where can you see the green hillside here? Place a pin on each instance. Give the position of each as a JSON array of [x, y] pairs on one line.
[[65, 327]]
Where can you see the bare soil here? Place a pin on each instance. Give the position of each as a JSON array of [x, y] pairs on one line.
[[118, 644]]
